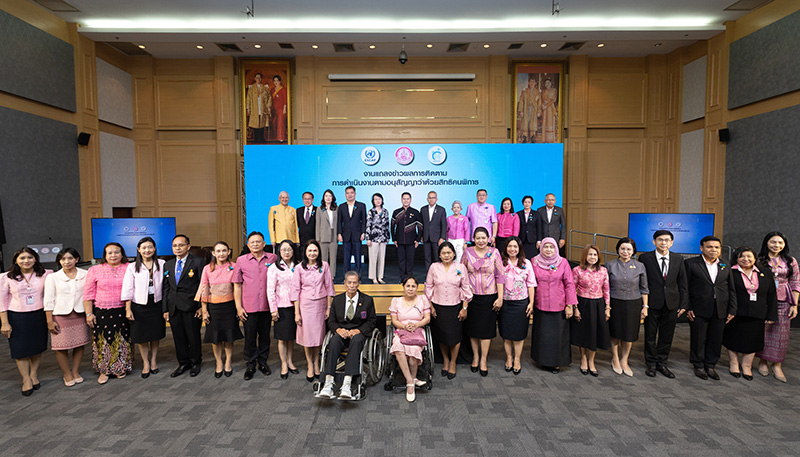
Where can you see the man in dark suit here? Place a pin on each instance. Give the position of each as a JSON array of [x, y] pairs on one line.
[[352, 216], [182, 278], [666, 279], [530, 228], [352, 319], [406, 230], [307, 219], [434, 228], [708, 307], [554, 223]]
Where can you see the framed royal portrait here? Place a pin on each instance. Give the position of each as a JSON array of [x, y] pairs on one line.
[[266, 98], [538, 100]]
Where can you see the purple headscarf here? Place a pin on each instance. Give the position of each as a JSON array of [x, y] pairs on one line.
[[547, 262]]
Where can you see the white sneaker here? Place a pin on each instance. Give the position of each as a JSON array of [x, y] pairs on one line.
[[410, 397], [327, 391], [346, 393], [419, 383]]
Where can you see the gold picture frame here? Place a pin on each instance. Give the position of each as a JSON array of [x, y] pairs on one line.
[[538, 100], [266, 101]]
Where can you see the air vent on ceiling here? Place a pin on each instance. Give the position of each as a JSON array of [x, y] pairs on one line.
[[515, 45], [58, 6], [458, 47], [128, 48], [229, 47], [344, 47], [286, 45], [747, 5], [572, 46]]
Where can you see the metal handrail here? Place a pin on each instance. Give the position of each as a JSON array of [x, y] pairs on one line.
[[603, 250]]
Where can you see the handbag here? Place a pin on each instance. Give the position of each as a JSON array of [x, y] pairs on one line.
[[415, 338]]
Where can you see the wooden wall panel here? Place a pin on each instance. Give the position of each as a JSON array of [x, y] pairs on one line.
[[415, 102], [145, 173], [200, 223], [185, 102], [186, 172], [617, 100], [614, 170]]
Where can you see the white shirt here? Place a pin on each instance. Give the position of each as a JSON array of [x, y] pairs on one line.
[[350, 208], [431, 209], [712, 269], [63, 295], [665, 272], [549, 213], [330, 219], [308, 212], [135, 286], [347, 304]]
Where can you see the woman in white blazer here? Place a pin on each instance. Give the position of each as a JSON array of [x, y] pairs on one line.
[[66, 317], [141, 292], [327, 224]]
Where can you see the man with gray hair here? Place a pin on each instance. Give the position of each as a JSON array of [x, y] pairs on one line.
[[352, 319], [282, 221]]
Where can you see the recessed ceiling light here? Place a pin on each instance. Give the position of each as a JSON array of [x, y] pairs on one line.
[[657, 44], [430, 45], [141, 46], [372, 46], [314, 46], [600, 45], [485, 45], [257, 46], [543, 45], [199, 46]]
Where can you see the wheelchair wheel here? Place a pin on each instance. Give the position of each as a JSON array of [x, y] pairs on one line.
[[375, 358]]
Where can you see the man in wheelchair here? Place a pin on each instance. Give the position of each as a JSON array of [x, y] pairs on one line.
[[352, 320]]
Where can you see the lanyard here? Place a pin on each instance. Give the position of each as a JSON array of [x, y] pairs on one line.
[[746, 277]]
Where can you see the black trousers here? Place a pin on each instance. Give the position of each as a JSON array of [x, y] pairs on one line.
[[186, 334], [431, 252], [352, 248], [354, 346], [405, 258], [256, 338], [659, 328], [530, 250], [706, 341]]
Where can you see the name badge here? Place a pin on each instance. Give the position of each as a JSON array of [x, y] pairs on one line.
[[363, 314], [753, 297], [776, 284], [151, 290], [29, 299]]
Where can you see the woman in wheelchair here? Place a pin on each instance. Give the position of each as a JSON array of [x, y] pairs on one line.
[[410, 313]]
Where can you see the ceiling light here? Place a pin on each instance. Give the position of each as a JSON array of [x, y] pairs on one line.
[[543, 45], [199, 46], [485, 45], [372, 46], [600, 45], [141, 46], [430, 45], [314, 46], [257, 46], [657, 44]]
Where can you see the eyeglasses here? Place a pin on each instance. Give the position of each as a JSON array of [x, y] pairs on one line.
[[179, 245]]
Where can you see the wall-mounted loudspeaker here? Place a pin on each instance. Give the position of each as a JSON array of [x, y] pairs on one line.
[[724, 135], [83, 138]]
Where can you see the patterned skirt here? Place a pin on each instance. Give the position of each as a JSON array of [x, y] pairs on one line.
[[111, 342], [74, 332], [776, 336]]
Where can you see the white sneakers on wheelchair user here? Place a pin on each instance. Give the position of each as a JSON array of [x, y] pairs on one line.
[[327, 391], [345, 393]]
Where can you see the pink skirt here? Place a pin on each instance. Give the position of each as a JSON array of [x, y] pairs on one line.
[[74, 332], [776, 336], [409, 350], [312, 312]]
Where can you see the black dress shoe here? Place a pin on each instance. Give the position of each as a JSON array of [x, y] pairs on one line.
[[145, 375], [179, 371], [285, 375], [584, 371], [516, 371], [712, 373], [665, 371], [444, 373], [154, 370], [27, 393], [217, 374], [594, 373], [265, 369], [484, 373], [555, 370], [294, 371], [474, 369], [228, 373], [195, 370], [451, 375], [508, 368], [700, 374], [747, 377], [650, 371], [735, 375], [310, 378], [37, 386], [248, 374]]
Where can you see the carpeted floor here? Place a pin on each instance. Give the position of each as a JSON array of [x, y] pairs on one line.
[[535, 413]]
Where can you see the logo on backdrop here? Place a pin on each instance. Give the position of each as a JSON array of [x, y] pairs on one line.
[[370, 155], [437, 155], [404, 155]]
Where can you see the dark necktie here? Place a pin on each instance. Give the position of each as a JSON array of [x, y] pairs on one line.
[[178, 271], [308, 215], [664, 267]]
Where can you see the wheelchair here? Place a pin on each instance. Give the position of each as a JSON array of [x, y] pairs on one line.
[[424, 371], [372, 364]]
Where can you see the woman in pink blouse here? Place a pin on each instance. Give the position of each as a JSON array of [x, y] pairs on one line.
[[589, 326], [555, 298], [457, 230], [409, 312], [215, 295], [105, 314], [447, 288], [484, 267], [507, 223], [519, 288], [141, 292], [279, 290], [22, 315], [312, 290], [66, 319]]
